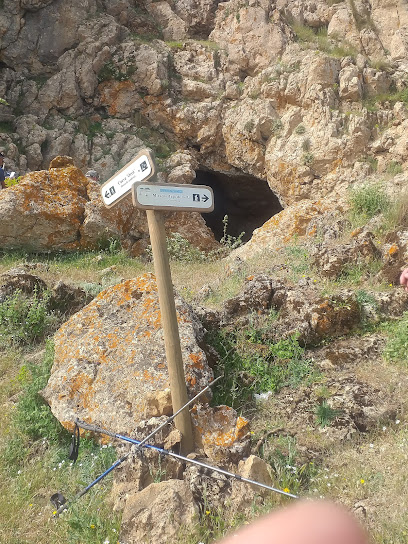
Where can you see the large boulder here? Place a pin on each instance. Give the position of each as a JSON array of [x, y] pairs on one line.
[[61, 209], [110, 357]]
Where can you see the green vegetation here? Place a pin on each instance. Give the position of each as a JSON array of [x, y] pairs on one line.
[[4, 102], [308, 158], [373, 162], [394, 168], [368, 201], [34, 465], [6, 127], [300, 129], [227, 241], [23, 319], [89, 127], [180, 249], [175, 44], [396, 348], [253, 363], [110, 71], [372, 103], [318, 38], [11, 182], [356, 273], [325, 414]]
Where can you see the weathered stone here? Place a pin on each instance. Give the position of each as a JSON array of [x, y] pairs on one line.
[[256, 296], [333, 261], [158, 513], [67, 298], [19, 279], [110, 356], [220, 433], [44, 210], [61, 162], [61, 209]]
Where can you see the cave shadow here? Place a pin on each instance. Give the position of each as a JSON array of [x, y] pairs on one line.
[[246, 200]]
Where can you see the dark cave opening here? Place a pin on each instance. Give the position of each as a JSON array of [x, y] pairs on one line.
[[246, 200]]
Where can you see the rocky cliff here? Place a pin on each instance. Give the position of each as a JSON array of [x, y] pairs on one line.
[[274, 103]]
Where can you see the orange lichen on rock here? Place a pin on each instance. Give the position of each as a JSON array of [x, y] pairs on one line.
[[393, 249], [116, 356]]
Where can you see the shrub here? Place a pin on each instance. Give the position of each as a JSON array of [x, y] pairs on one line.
[[368, 201], [394, 168], [24, 320], [228, 241], [180, 249], [307, 158]]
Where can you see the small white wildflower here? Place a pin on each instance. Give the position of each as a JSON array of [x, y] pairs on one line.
[[19, 472], [328, 484], [80, 464], [55, 468], [384, 428], [106, 541], [71, 464], [371, 445], [104, 446], [397, 421]]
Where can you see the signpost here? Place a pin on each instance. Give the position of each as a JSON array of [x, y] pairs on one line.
[[173, 196], [154, 197], [142, 167]]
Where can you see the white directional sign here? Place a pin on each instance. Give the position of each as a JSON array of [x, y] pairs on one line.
[[172, 196], [142, 167]]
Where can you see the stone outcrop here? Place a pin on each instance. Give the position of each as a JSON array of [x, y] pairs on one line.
[[110, 356], [255, 89], [61, 209]]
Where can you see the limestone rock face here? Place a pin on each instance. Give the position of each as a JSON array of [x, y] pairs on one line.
[[110, 357], [252, 41], [254, 89]]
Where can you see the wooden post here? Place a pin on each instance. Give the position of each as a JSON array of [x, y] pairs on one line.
[[170, 327]]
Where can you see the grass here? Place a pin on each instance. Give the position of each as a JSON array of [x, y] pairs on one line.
[[34, 447], [373, 103], [24, 320], [396, 349], [34, 464], [367, 201], [253, 364], [325, 414], [318, 38]]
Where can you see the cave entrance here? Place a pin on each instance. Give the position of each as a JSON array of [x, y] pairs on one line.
[[246, 200]]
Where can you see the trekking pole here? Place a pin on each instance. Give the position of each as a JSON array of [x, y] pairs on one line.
[[59, 500], [161, 451]]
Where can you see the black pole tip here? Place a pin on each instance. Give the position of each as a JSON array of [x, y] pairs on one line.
[[58, 500]]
